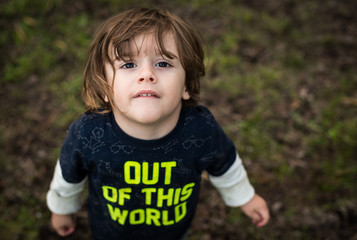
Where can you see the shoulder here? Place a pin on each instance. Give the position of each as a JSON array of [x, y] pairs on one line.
[[201, 122], [200, 115], [88, 121], [199, 109], [92, 117]]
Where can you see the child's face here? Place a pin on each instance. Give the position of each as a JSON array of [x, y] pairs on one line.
[[149, 87]]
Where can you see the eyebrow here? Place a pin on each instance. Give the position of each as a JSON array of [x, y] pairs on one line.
[[128, 54], [126, 51], [122, 52], [168, 54]]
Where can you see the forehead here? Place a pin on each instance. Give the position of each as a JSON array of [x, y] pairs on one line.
[[147, 43]]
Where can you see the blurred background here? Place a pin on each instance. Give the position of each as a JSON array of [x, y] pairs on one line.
[[281, 80]]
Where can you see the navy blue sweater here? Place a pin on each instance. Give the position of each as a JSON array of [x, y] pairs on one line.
[[144, 189]]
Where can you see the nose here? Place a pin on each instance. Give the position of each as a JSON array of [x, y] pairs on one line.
[[147, 74]]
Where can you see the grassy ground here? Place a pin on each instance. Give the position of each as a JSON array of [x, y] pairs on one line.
[[281, 80]]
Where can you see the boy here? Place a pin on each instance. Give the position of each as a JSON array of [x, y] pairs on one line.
[[144, 142]]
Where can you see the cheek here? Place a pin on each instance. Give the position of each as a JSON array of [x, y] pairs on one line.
[[120, 102], [109, 72], [118, 93]]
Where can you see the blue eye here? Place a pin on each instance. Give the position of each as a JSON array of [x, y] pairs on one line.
[[163, 64], [128, 65]]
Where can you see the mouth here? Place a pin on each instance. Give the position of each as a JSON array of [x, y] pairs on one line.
[[146, 93]]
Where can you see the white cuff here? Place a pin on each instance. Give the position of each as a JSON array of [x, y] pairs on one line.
[[234, 185], [64, 197]]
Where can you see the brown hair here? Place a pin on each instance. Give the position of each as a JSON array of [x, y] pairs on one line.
[[118, 31]]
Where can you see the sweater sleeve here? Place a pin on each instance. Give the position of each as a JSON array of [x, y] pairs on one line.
[[64, 197], [234, 185]]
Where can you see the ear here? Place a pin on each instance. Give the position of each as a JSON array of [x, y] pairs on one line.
[[106, 98], [185, 95]]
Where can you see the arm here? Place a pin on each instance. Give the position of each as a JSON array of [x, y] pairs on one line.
[[64, 199], [236, 190]]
